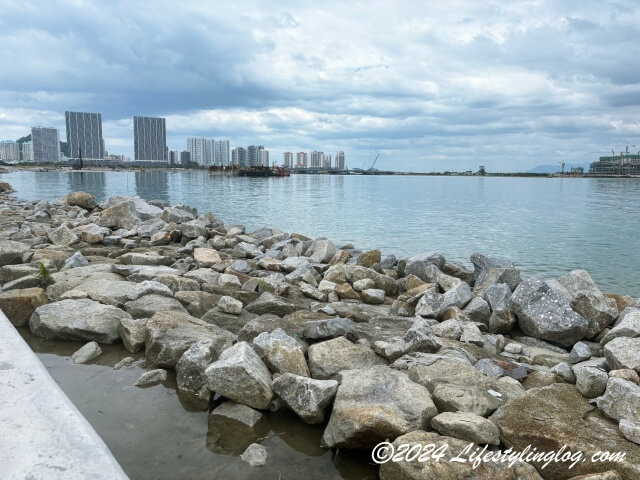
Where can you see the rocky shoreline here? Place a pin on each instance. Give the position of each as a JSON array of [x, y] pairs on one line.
[[413, 350]]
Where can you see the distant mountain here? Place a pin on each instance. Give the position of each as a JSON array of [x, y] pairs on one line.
[[556, 168]]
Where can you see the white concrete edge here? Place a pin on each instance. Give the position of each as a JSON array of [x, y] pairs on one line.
[[42, 434]]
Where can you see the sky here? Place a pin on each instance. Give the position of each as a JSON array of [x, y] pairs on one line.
[[429, 85]]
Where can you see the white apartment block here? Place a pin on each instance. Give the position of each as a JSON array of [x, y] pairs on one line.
[[46, 144], [221, 153]]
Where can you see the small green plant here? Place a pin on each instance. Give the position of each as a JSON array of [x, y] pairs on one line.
[[44, 274], [262, 285]]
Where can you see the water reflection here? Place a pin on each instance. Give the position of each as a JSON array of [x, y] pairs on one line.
[[152, 185], [87, 182]]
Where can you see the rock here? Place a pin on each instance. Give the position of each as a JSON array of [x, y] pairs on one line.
[[146, 258], [626, 374], [151, 378], [193, 229], [190, 377], [177, 283], [62, 236], [373, 296], [230, 305], [472, 334], [434, 305], [81, 199], [419, 337], [557, 416], [482, 264], [621, 400], [150, 227], [587, 299], [360, 285], [170, 334], [86, 353], [307, 397], [579, 353], [590, 381], [197, 302], [255, 455], [477, 310], [322, 250], [488, 368], [328, 358], [270, 303], [565, 372], [19, 304], [312, 292], [446, 468], [82, 319], [110, 292], [326, 329], [149, 287], [346, 291], [467, 426], [133, 332], [92, 233], [124, 362], [122, 215], [148, 305], [367, 259], [630, 430], [142, 209], [206, 257], [75, 260], [417, 265], [241, 376], [376, 404], [140, 273], [11, 252], [238, 412], [282, 353], [628, 325], [176, 215], [623, 352], [544, 313]]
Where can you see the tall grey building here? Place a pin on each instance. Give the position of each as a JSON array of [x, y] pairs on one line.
[[221, 152], [253, 155], [84, 131], [340, 160], [302, 160], [239, 157], [287, 159], [201, 149], [317, 159], [46, 144], [150, 138]]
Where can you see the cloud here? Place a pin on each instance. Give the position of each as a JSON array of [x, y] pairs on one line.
[[429, 85]]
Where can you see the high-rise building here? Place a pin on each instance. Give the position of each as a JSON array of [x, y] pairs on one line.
[[150, 139], [26, 152], [221, 153], [46, 144], [287, 159], [263, 156], [185, 158], [84, 133], [326, 161], [340, 160], [174, 157], [316, 159], [9, 151], [253, 155], [201, 149], [239, 157], [301, 160]]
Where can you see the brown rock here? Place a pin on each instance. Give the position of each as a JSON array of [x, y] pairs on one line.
[[18, 305]]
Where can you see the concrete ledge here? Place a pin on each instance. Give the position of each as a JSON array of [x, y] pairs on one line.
[[42, 434]]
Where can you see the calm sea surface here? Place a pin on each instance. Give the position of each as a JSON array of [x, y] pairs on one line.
[[548, 226]]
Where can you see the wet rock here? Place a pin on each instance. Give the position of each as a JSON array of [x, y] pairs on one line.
[[376, 404], [467, 426], [122, 215], [273, 304], [86, 353], [124, 362], [81, 199], [307, 397], [19, 304], [628, 325], [148, 287], [151, 378], [328, 358], [148, 305], [557, 416], [587, 299], [623, 352], [621, 400], [62, 236], [241, 376], [82, 319], [238, 412], [326, 329], [544, 313], [170, 334], [590, 381], [446, 468], [190, 376], [255, 455]]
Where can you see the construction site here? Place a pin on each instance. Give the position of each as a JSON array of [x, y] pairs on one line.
[[624, 163]]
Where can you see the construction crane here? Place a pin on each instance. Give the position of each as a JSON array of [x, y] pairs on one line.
[[374, 162], [562, 163]]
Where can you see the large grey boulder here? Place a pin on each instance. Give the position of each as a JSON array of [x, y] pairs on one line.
[[419, 338], [376, 404], [326, 328], [281, 352], [557, 416], [11, 252], [81, 199], [19, 304], [482, 264], [623, 352], [81, 319], [142, 209], [307, 397], [176, 215], [121, 215], [62, 236], [328, 358], [190, 377], [417, 265], [241, 376], [110, 292], [587, 299], [433, 305], [170, 334], [627, 325], [133, 332], [590, 380], [322, 250], [273, 304], [148, 305], [621, 400], [74, 261], [352, 273], [148, 287], [546, 314]]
